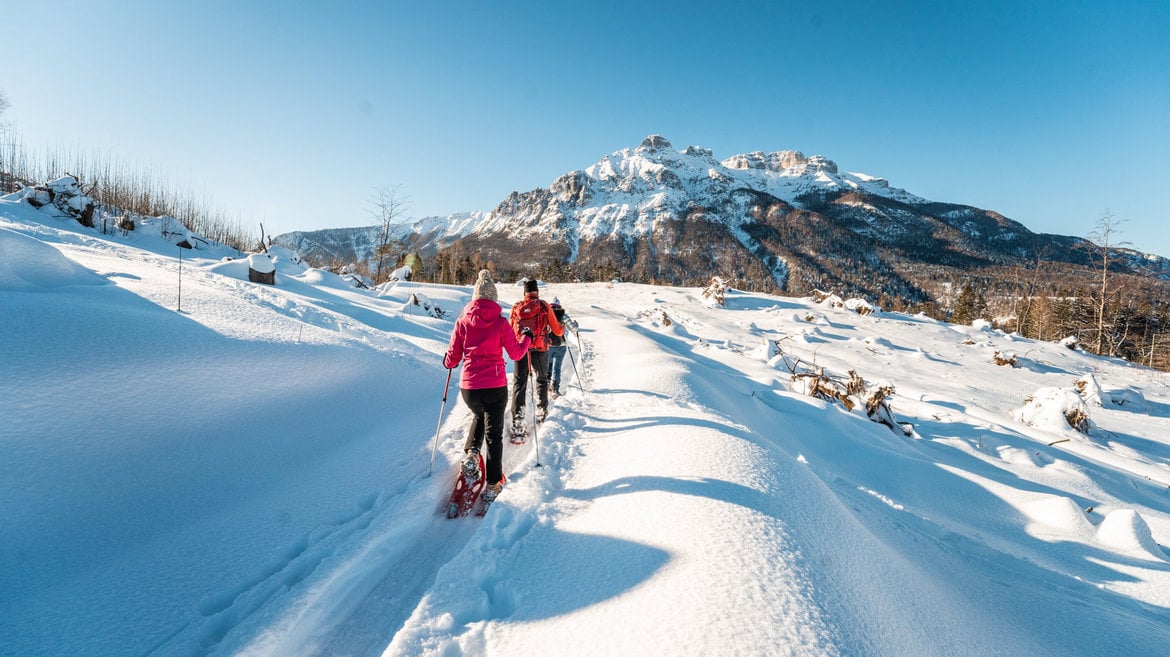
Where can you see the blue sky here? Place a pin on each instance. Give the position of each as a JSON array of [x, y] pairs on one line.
[[293, 113]]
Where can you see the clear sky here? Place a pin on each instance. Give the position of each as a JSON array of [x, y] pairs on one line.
[[293, 113]]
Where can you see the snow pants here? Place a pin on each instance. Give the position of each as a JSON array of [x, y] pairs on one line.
[[487, 421], [537, 361], [556, 356]]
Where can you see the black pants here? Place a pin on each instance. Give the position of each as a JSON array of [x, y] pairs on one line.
[[487, 420], [520, 379]]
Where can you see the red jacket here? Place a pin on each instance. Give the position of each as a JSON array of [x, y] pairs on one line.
[[539, 343], [480, 336]]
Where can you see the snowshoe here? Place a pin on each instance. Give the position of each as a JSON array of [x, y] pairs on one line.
[[469, 483]]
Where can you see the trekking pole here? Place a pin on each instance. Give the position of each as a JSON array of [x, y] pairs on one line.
[[576, 373], [532, 395], [442, 408]]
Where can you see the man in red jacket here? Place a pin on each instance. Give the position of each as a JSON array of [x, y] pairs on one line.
[[535, 314]]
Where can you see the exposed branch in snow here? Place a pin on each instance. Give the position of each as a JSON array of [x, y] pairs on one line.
[[655, 314], [1004, 359], [850, 393]]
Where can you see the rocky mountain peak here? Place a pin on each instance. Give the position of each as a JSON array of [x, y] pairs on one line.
[[780, 161], [652, 143]]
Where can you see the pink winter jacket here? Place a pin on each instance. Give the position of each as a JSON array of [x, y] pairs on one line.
[[480, 336]]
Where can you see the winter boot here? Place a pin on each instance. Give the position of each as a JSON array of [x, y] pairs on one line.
[[470, 467], [490, 493], [541, 413]]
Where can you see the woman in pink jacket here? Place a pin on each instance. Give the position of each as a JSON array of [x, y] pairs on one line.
[[481, 335]]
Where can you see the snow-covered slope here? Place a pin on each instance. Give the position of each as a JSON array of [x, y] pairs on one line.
[[249, 476]]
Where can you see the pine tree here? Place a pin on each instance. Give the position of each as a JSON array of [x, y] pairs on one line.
[[965, 310]]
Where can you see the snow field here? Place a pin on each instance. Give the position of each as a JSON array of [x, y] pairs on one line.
[[249, 476]]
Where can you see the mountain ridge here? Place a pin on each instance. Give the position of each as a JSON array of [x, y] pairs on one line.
[[780, 221]]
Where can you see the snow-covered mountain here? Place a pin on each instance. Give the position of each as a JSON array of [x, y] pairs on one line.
[[252, 474], [340, 246], [778, 221]]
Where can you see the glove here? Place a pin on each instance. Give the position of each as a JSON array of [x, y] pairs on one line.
[[526, 331]]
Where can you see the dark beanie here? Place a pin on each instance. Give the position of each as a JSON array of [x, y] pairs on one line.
[[530, 285]]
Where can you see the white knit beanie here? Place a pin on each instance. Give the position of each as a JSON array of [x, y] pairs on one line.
[[485, 288]]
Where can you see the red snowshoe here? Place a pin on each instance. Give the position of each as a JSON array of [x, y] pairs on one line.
[[469, 484]]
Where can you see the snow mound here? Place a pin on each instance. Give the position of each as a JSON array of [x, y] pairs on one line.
[[261, 263], [30, 264], [1059, 512], [1126, 530], [287, 261], [1128, 398], [232, 268], [1055, 409]]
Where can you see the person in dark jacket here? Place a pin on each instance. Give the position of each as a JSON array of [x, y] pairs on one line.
[[558, 346], [536, 359], [480, 337]]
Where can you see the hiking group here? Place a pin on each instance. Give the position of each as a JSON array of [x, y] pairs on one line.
[[480, 338]]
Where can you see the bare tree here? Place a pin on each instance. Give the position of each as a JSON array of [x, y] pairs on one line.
[[389, 206], [1103, 244], [1042, 255], [7, 153]]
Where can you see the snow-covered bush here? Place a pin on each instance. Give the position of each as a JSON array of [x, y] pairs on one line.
[[827, 299], [350, 274], [860, 306], [403, 273], [1095, 395], [1072, 342], [1090, 391], [1005, 358], [419, 302], [831, 300], [65, 195], [716, 292], [1055, 409]]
